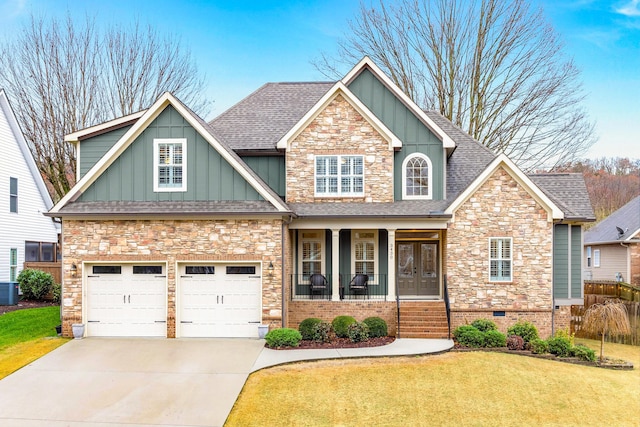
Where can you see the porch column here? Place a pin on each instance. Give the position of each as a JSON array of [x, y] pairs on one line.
[[391, 274], [335, 264]]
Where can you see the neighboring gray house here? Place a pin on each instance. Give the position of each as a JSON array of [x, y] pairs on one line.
[[25, 233], [276, 210], [612, 247]]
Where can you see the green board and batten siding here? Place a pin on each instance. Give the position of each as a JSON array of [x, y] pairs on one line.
[[92, 149], [415, 136], [209, 175], [271, 169], [567, 261]]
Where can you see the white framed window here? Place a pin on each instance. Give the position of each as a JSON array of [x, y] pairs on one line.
[[365, 252], [588, 256], [416, 177], [13, 264], [170, 164], [339, 175], [596, 257], [500, 259], [311, 250], [13, 195]]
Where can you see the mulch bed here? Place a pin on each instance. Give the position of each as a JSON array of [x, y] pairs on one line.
[[26, 304], [340, 343], [607, 363]]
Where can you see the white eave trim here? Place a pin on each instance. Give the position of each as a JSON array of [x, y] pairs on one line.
[[76, 136], [339, 89], [147, 117], [447, 142], [554, 212]]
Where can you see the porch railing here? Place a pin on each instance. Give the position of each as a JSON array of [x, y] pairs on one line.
[[377, 288]]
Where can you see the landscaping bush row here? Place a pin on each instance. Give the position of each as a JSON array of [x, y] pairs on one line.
[[314, 329], [521, 336]]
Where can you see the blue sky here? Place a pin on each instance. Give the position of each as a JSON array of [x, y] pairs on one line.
[[241, 45]]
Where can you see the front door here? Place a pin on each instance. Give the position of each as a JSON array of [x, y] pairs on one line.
[[417, 269]]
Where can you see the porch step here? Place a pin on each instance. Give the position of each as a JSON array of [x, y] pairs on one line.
[[423, 319]]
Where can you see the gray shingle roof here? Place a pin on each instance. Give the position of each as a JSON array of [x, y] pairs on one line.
[[627, 218], [260, 120], [468, 160], [568, 191], [171, 208], [402, 208]]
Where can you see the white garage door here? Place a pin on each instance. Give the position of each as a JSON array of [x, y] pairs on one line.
[[126, 300], [220, 300]]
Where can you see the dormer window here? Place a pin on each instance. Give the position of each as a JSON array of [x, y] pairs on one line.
[[416, 177], [169, 164]]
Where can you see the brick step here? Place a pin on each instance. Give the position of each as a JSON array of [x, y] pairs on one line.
[[433, 336], [424, 313]]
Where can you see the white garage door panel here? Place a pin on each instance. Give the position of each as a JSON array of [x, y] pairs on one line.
[[220, 304], [126, 304]]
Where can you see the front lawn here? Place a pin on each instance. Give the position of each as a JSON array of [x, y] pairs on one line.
[[477, 388], [26, 335]]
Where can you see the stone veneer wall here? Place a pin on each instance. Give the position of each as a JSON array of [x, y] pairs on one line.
[[328, 310], [339, 129], [500, 208], [171, 241]]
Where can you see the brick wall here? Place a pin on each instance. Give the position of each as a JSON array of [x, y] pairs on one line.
[[171, 241], [500, 208], [339, 129], [328, 310], [542, 319], [634, 258]]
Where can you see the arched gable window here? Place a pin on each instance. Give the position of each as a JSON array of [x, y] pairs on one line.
[[416, 177]]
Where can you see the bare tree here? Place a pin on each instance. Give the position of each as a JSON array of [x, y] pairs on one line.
[[496, 69], [65, 76], [608, 318]]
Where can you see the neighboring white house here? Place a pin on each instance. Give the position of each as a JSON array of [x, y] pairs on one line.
[[24, 230]]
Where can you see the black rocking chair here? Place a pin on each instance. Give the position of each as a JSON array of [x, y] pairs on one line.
[[359, 284], [317, 283]]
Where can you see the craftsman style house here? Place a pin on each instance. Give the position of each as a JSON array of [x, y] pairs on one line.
[[26, 235], [311, 200]]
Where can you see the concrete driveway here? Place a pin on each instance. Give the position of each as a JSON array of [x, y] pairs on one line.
[[141, 382]]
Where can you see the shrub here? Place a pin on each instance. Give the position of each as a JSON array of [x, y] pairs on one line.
[[560, 346], [515, 342], [341, 324], [484, 325], [358, 332], [322, 332], [307, 327], [57, 292], [468, 336], [525, 330], [377, 327], [35, 284], [539, 346], [493, 338], [583, 353], [283, 337], [565, 334]]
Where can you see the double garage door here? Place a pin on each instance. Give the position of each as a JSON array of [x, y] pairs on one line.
[[213, 300]]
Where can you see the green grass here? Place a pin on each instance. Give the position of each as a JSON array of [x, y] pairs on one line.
[[26, 335], [26, 325], [451, 389]]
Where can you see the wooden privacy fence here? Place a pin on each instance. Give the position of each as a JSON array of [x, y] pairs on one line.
[[53, 268], [597, 292]]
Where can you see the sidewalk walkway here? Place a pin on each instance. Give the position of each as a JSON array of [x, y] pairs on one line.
[[400, 347]]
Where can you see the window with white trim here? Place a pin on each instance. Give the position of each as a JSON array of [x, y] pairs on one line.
[[170, 164], [311, 253], [13, 264], [596, 257], [500, 259], [13, 195], [416, 177], [365, 252], [339, 175]]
